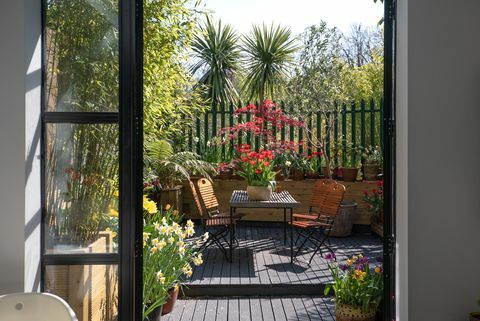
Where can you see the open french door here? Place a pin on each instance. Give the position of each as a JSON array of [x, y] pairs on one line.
[[92, 156]]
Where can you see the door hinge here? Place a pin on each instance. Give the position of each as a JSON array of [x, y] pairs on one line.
[[390, 246], [392, 5], [390, 127]]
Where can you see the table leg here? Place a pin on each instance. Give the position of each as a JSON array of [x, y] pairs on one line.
[[285, 227], [231, 234], [291, 235]]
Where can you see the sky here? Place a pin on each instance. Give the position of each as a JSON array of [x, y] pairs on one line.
[[296, 14]]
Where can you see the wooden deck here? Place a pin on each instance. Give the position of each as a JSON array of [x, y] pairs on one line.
[[261, 264], [302, 308]]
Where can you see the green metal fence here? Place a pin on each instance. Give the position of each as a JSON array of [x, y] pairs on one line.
[[357, 124]]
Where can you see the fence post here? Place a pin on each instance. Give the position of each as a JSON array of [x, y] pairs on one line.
[[327, 133], [205, 127], [282, 130], [362, 123], [372, 122], [257, 137], [292, 129], [231, 120], [198, 133], [214, 120], [309, 133], [354, 132], [319, 130], [274, 125], [335, 133], [249, 134], [344, 133], [222, 125]]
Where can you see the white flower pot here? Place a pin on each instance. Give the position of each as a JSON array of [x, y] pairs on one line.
[[259, 193]]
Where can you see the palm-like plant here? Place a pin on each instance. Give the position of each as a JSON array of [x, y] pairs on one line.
[[172, 168], [269, 57], [218, 58]]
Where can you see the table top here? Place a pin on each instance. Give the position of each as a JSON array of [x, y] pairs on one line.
[[277, 200]]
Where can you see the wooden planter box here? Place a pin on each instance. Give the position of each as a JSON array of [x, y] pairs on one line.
[[91, 290], [300, 190]]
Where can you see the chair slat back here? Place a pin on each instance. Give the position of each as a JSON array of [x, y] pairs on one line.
[[197, 199], [207, 195], [327, 196]]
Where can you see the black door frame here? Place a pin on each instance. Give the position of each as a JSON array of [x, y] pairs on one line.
[[389, 237], [130, 121]]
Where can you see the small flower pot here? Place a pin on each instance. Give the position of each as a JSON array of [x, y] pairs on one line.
[[156, 315], [475, 316], [297, 174], [280, 176], [259, 193], [172, 299], [226, 174], [371, 171], [348, 313], [313, 175], [337, 173], [344, 220], [349, 174]]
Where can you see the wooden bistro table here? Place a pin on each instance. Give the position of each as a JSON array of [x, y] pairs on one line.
[[282, 200]]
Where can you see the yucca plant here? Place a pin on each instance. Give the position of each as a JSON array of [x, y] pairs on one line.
[[269, 57], [217, 53], [172, 168]]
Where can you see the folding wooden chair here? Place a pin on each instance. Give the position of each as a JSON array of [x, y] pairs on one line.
[[217, 227], [316, 225]]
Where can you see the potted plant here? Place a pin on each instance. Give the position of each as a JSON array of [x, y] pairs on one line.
[[350, 162], [314, 163], [357, 287], [372, 161], [169, 250], [374, 199], [225, 171], [171, 169], [257, 170], [475, 316], [297, 165]]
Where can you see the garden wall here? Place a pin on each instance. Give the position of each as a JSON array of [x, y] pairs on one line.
[[300, 190]]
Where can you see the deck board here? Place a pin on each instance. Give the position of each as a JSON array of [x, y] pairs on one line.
[[302, 308], [261, 259]]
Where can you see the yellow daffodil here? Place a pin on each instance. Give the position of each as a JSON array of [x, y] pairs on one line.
[[155, 241], [164, 220], [162, 230], [171, 240], [205, 236], [198, 260], [113, 212], [145, 236], [149, 206], [198, 242], [180, 243], [181, 250], [187, 270], [161, 245], [156, 225], [160, 277], [154, 249], [189, 231], [190, 224]]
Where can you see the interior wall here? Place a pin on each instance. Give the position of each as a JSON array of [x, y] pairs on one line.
[[20, 80], [443, 157]]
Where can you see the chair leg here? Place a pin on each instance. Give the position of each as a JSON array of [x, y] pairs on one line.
[[322, 242], [306, 238]]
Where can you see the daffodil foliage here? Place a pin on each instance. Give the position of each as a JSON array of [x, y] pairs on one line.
[[169, 251]]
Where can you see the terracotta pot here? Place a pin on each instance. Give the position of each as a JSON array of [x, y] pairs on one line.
[[313, 175], [259, 193], [156, 315], [337, 173], [297, 174], [226, 174], [348, 313], [173, 295], [371, 171], [349, 174], [475, 316]]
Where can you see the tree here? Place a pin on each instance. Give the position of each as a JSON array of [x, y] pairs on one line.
[[170, 102], [317, 82], [269, 58], [361, 44], [218, 58]]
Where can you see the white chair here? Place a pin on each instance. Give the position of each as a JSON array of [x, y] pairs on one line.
[[34, 306]]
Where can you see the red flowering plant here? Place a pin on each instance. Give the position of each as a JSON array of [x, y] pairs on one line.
[[257, 167], [374, 199], [314, 162], [261, 123]]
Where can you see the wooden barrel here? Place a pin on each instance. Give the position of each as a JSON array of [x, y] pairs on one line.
[[344, 219]]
